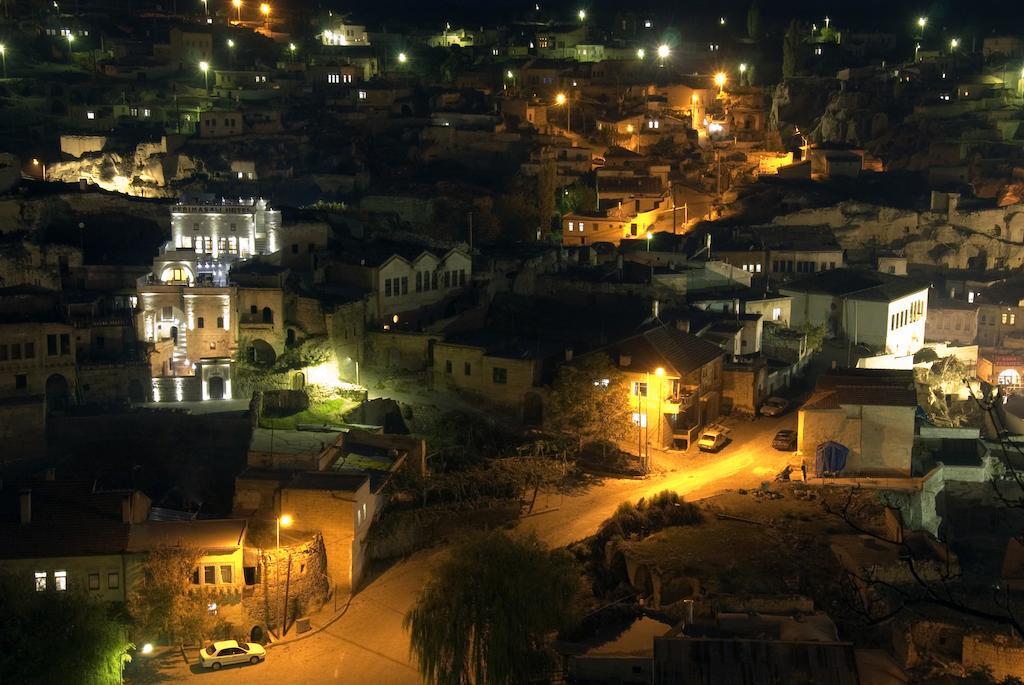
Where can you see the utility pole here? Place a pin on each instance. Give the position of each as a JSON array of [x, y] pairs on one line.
[[470, 216], [287, 587]]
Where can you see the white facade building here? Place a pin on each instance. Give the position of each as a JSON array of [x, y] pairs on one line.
[[345, 34]]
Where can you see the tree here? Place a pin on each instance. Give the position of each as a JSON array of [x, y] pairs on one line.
[[590, 401], [947, 376], [59, 638], [483, 616], [579, 196], [791, 44], [165, 603], [754, 21], [815, 335], [546, 186]]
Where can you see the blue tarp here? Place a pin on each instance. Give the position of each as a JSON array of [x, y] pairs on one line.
[[830, 457]]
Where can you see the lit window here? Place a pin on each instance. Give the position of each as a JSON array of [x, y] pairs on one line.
[[571, 226], [346, 78], [113, 580], [145, 112], [333, 78], [639, 419], [1013, 319], [776, 313], [60, 580], [94, 581], [362, 95], [640, 389], [970, 297], [757, 268], [227, 574], [90, 115], [40, 581], [1005, 317]]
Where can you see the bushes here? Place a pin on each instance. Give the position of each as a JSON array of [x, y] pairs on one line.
[[403, 532], [606, 457], [665, 509]]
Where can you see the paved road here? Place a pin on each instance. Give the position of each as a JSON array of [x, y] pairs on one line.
[[368, 644]]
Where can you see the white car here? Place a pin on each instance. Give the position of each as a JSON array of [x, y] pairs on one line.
[[712, 440], [229, 652]]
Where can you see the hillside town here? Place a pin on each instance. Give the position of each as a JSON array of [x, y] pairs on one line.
[[396, 343]]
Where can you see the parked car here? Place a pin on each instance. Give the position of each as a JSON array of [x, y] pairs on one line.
[[785, 440], [229, 652], [774, 406], [712, 440]]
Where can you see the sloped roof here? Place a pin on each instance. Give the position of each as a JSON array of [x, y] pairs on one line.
[[870, 387], [858, 284], [220, 535], [665, 346]]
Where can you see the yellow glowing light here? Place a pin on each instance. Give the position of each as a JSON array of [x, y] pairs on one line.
[[560, 99], [403, 58], [659, 371], [325, 374], [236, 3], [509, 74], [743, 68], [147, 648], [231, 43], [285, 520], [204, 67], [629, 128], [720, 79], [664, 51], [953, 43], [640, 53], [582, 14], [394, 318], [265, 9]]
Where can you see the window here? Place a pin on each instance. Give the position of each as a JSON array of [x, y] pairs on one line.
[[499, 375], [776, 313], [346, 78], [60, 581], [51, 345], [227, 574], [253, 309], [334, 78], [448, 366], [362, 95], [1005, 316], [466, 368], [40, 581], [90, 115], [65, 344], [210, 575], [462, 277], [640, 389], [447, 279], [405, 285], [387, 287], [220, 322], [113, 580], [572, 226], [200, 322], [1013, 319], [94, 580], [640, 419], [433, 281], [20, 381], [145, 112], [419, 281]]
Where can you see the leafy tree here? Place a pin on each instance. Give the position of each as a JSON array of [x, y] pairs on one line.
[[547, 178], [791, 44], [815, 335], [590, 401], [164, 602], [947, 376], [577, 197], [59, 638], [754, 21], [483, 616]]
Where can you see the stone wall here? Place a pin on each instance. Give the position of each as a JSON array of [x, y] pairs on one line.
[[107, 383], [1000, 655], [407, 351], [308, 586]]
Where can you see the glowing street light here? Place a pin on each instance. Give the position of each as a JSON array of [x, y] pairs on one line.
[[402, 58], [237, 4], [720, 79], [582, 14], [641, 53], [3, 56], [147, 648], [205, 68], [42, 167], [265, 11], [954, 43], [563, 99], [206, 6], [291, 50], [921, 23], [283, 521], [560, 99], [649, 237], [663, 53], [231, 52]]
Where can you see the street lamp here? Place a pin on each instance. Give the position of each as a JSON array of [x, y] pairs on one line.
[[563, 99], [660, 373], [3, 56], [42, 166], [954, 43], [743, 72], [283, 521], [265, 11], [402, 58], [649, 237], [640, 53], [291, 49], [663, 52], [205, 68], [206, 6], [237, 4], [231, 53], [582, 14], [921, 23], [720, 79]]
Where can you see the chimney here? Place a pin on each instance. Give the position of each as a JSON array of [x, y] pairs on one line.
[[25, 500], [625, 360], [568, 354], [126, 509]]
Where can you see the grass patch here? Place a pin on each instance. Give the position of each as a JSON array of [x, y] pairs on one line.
[[330, 412]]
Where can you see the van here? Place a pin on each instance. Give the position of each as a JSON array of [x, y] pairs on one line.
[[712, 440]]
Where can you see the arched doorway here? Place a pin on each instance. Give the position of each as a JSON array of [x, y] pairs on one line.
[[533, 409], [298, 381], [57, 393], [268, 315], [1009, 377], [261, 353], [216, 387], [174, 334]]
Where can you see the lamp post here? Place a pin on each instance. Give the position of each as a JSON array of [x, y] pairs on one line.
[[641, 53], [563, 99], [402, 58], [954, 43], [291, 51], [582, 14], [660, 373], [265, 11], [205, 68], [3, 56], [237, 4], [206, 7], [720, 79], [921, 23], [42, 166], [743, 72], [285, 521], [231, 53]]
